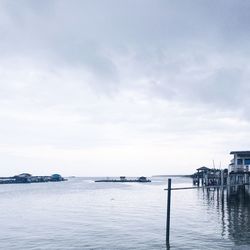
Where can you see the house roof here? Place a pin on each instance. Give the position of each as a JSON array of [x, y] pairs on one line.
[[240, 152], [24, 175], [203, 168]]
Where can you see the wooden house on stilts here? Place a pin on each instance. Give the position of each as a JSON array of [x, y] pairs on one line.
[[235, 177]]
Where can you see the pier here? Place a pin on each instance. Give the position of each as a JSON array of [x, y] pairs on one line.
[[141, 179], [235, 179], [236, 176]]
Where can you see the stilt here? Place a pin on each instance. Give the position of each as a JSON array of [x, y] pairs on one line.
[[168, 213]]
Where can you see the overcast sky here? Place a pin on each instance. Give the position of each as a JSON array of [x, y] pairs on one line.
[[114, 87]]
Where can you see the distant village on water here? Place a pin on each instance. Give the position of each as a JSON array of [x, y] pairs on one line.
[[237, 174], [28, 178]]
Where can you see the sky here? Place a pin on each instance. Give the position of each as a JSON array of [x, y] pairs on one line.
[[114, 87]]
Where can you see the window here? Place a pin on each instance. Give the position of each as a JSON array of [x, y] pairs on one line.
[[239, 161], [247, 161]]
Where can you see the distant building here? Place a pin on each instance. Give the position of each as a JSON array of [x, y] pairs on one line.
[[24, 175], [142, 179], [23, 178], [28, 178], [240, 161], [56, 177], [203, 169]]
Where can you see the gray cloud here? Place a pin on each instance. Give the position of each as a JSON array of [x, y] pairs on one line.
[[97, 75]]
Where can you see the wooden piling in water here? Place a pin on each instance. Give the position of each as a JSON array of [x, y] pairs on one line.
[[168, 213]]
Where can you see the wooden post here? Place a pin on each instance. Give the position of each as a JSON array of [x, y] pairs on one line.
[[198, 176], [168, 213], [222, 178], [222, 183], [229, 184]]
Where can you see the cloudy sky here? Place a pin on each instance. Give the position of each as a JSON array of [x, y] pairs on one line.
[[114, 87]]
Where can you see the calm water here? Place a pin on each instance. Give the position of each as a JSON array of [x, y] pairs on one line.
[[81, 214]]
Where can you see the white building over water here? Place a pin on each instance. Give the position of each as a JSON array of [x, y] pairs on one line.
[[239, 169], [240, 161]]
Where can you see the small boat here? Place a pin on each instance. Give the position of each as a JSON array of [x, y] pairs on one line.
[[124, 179]]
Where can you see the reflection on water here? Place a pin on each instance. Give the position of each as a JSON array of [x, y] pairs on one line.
[[238, 209], [233, 212]]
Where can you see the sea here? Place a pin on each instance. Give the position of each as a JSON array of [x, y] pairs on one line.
[[81, 214]]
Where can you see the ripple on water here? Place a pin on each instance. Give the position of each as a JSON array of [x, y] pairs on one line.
[[81, 214]]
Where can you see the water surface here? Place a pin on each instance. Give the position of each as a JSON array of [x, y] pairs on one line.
[[82, 214]]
